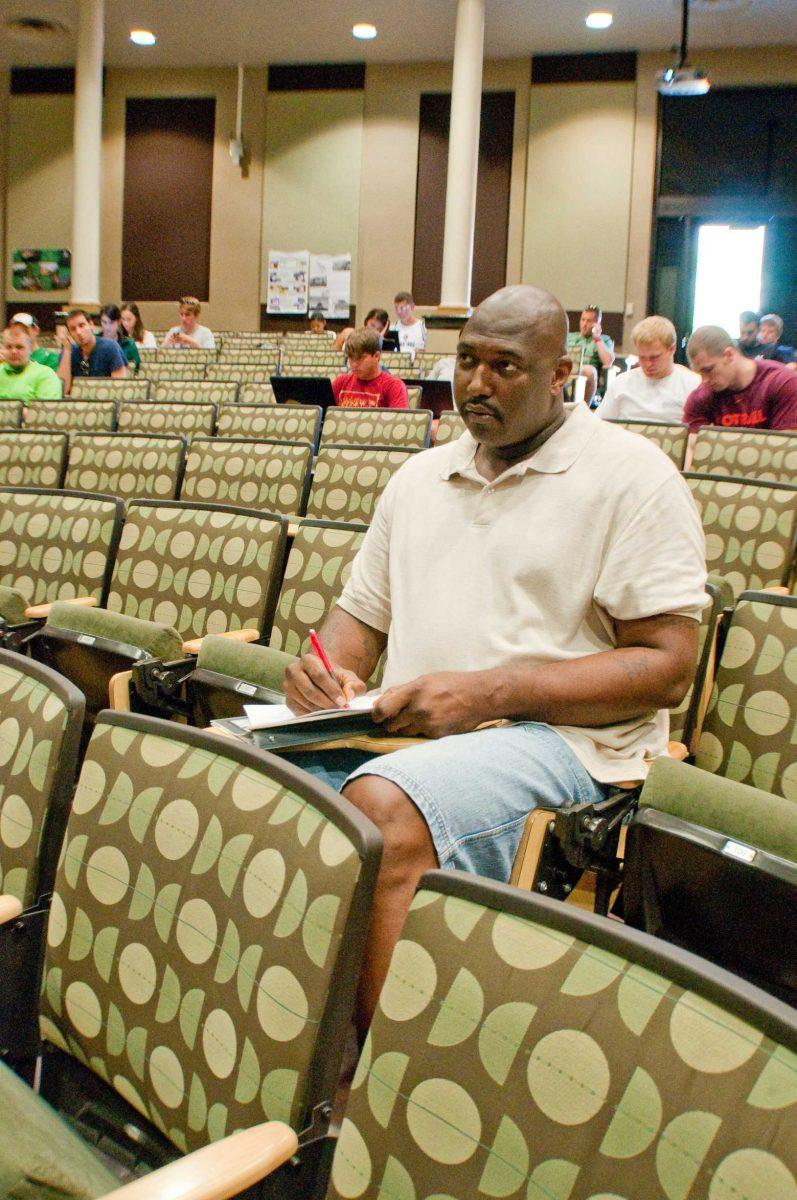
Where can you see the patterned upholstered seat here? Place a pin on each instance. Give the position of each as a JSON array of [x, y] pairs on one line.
[[109, 389], [270, 475], [178, 418], [178, 371], [203, 947], [175, 356], [398, 362], [749, 529], [255, 393], [283, 422], [211, 391], [10, 414], [376, 426], [32, 459], [54, 546], [425, 360], [348, 480], [750, 728], [89, 415], [41, 715], [265, 359], [182, 570], [686, 718], [746, 453], [240, 372], [450, 426], [414, 396], [523, 1048], [671, 437], [127, 465], [291, 368]]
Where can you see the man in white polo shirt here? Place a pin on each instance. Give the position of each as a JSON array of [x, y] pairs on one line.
[[657, 389], [521, 573]]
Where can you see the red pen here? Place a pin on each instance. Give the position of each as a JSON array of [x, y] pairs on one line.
[[319, 650]]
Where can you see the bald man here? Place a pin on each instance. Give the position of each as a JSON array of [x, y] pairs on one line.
[[525, 574]]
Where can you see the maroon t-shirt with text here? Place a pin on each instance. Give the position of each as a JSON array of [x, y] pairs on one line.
[[769, 402], [385, 391]]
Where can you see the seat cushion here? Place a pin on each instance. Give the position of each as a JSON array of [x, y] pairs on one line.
[[41, 1158], [12, 605], [161, 641], [259, 665]]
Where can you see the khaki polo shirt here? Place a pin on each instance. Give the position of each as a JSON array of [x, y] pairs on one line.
[[465, 574]]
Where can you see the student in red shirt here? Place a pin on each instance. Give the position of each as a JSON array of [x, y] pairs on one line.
[[737, 392], [366, 384]]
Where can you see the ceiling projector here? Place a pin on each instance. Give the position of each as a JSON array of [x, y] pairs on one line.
[[682, 81]]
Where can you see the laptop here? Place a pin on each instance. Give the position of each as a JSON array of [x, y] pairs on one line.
[[303, 389]]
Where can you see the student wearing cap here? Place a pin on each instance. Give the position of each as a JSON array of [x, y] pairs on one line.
[[48, 358], [20, 377]]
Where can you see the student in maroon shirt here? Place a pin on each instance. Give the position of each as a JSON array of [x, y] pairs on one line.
[[366, 384], [737, 392]]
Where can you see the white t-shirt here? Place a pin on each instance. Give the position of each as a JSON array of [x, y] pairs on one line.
[[465, 574], [411, 337], [631, 396], [201, 334], [148, 342]]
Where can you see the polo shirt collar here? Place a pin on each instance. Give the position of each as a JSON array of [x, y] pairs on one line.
[[555, 456]]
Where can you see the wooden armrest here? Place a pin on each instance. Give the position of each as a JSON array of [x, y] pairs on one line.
[[293, 527], [119, 691], [677, 750], [42, 611], [10, 908], [780, 590], [218, 1171], [235, 635]]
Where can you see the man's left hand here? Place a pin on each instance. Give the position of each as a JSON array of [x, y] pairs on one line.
[[597, 330], [433, 705]]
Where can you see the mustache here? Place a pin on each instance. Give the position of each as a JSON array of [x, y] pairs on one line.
[[481, 403]]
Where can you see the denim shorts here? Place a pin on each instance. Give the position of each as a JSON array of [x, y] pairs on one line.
[[474, 790]]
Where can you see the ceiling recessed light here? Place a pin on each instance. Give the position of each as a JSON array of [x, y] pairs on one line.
[[142, 37], [364, 31], [598, 20]]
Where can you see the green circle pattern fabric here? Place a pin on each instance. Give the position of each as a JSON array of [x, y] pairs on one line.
[[377, 426], [109, 389], [128, 466], [35, 461], [85, 415], [510, 1060], [670, 438], [283, 422], [763, 455], [450, 427], [150, 417], [253, 474], [211, 391], [348, 481]]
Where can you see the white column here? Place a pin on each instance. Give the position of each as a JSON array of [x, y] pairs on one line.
[[463, 157], [87, 153]]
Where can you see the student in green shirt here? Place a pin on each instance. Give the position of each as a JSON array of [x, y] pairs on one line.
[[112, 328], [48, 358], [20, 377], [590, 348]]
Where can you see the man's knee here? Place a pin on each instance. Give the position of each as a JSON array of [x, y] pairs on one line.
[[403, 829]]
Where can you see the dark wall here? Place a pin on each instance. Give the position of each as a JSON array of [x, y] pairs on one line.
[[167, 198], [492, 195]]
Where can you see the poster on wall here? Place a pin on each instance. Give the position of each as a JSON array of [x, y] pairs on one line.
[[288, 274], [41, 270], [330, 284]]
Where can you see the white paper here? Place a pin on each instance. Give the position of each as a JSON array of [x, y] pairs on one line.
[[266, 716], [288, 274], [330, 285]]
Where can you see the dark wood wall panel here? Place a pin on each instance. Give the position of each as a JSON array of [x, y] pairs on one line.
[[167, 197], [492, 195]]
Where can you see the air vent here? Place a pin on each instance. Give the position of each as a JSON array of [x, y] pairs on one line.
[[38, 27]]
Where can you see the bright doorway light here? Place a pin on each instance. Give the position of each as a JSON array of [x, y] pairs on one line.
[[598, 20], [364, 31], [728, 275], [142, 37]]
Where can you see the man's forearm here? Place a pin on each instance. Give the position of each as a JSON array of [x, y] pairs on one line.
[[64, 371], [605, 354], [351, 643]]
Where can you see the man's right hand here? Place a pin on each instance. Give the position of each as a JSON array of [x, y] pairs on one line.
[[309, 686]]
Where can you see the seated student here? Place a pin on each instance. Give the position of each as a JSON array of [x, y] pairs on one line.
[[411, 329], [584, 663], [48, 358], [89, 355], [134, 327], [748, 340], [318, 324], [189, 333], [366, 384], [113, 330], [737, 392], [20, 377], [770, 338], [657, 389], [375, 318], [590, 349]]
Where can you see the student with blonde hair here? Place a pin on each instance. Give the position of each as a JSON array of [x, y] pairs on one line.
[[189, 332], [657, 389]]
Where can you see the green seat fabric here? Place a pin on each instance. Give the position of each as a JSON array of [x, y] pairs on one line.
[[284, 422], [176, 418], [684, 716], [750, 728], [126, 465], [255, 393], [12, 605], [749, 528], [399, 362], [273, 476], [44, 1159], [671, 437], [181, 371], [205, 930], [32, 459], [735, 809], [160, 641], [41, 716], [109, 389], [747, 453], [10, 414], [263, 666], [450, 427], [70, 415], [377, 426], [211, 391], [179, 356], [56, 545], [348, 480], [524, 1049], [265, 360], [241, 373]]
